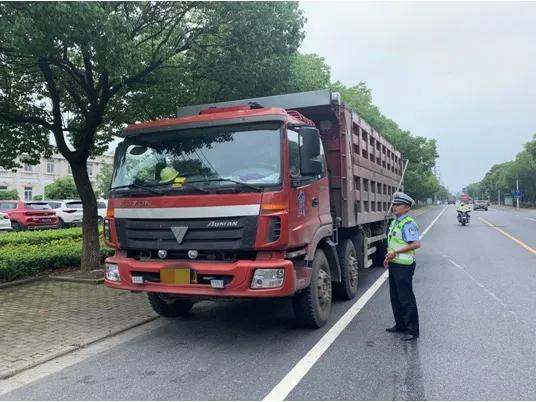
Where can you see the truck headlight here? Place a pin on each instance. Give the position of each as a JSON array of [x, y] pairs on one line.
[[267, 278], [111, 272]]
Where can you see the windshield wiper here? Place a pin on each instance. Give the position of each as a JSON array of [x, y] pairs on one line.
[[220, 179], [133, 185]]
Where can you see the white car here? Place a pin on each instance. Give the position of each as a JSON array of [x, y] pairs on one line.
[[5, 222], [69, 212], [102, 206]]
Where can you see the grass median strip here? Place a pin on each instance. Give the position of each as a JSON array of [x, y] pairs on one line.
[[522, 244]]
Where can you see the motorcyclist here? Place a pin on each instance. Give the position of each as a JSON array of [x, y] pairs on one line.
[[463, 209]]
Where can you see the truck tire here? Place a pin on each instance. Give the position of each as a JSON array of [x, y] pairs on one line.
[[379, 254], [313, 305], [171, 309], [347, 288]]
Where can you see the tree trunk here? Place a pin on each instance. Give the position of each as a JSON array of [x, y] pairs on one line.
[[90, 228]]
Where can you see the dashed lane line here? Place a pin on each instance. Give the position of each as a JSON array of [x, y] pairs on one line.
[[296, 374]]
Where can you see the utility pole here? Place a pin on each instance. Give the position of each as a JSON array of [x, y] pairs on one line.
[[499, 197]]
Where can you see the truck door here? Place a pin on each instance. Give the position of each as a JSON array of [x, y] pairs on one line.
[[308, 197]]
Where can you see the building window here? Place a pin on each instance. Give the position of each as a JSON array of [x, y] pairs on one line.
[[90, 169], [69, 170], [28, 167], [28, 193], [50, 166], [3, 188]]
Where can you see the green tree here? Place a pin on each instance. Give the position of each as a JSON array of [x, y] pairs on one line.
[[9, 195], [502, 178], [308, 72], [81, 70], [62, 188]]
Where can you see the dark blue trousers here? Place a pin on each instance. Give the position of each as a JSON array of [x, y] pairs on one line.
[[402, 297]]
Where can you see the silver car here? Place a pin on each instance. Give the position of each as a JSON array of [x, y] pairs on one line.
[[5, 222]]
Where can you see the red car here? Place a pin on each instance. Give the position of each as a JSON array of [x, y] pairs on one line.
[[29, 214]]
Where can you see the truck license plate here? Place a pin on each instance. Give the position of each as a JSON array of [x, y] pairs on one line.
[[176, 276]]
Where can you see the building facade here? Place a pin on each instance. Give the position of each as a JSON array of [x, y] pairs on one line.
[[31, 180]]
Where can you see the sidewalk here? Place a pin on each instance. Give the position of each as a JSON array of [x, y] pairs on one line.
[[46, 319]]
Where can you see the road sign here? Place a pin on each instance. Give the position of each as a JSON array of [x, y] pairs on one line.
[[517, 194]]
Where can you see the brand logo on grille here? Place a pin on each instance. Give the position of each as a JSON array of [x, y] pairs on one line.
[[228, 224], [179, 232]]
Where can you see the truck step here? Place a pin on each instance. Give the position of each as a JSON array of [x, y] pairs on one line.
[[368, 263], [371, 250]]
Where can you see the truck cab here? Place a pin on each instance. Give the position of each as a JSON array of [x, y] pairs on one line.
[[229, 201]]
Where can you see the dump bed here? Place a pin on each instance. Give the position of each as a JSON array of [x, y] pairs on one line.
[[364, 168]]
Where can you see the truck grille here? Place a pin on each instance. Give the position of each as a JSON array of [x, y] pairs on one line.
[[187, 234]]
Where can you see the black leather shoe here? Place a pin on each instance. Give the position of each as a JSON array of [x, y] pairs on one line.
[[395, 329], [409, 337]]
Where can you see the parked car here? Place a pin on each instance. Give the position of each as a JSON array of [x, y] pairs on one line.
[[480, 204], [102, 206], [30, 214], [69, 212], [5, 223]]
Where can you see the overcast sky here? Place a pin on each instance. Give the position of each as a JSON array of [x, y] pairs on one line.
[[462, 73]]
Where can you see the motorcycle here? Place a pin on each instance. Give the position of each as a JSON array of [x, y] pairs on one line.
[[463, 218]]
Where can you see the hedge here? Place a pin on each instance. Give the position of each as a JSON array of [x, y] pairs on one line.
[[30, 257], [39, 236]]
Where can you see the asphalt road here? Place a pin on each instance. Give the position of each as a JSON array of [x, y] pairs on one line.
[[475, 292]]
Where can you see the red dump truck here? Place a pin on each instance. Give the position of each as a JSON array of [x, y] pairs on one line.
[[258, 198]]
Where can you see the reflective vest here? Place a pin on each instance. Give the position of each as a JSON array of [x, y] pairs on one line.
[[395, 241]]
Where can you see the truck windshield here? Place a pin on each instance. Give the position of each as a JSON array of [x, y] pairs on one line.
[[243, 157]]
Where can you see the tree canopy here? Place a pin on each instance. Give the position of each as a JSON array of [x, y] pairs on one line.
[[62, 188], [81, 70], [501, 178]]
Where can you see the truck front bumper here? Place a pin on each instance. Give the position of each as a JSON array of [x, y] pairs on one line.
[[238, 276]]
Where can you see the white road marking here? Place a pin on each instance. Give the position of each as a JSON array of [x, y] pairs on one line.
[[53, 366], [532, 219], [295, 375], [490, 293]]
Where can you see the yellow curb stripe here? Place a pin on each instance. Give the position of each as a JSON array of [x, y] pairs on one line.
[[524, 245]]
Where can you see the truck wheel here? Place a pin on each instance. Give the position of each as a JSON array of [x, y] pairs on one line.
[[166, 308], [379, 254], [313, 304], [347, 288]]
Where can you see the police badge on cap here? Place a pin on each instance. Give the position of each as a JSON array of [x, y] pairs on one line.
[[402, 198]]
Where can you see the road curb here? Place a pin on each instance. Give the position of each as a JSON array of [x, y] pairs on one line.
[[51, 278], [22, 281], [76, 280], [72, 348]]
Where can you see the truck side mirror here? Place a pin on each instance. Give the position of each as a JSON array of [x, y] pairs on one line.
[[311, 165]]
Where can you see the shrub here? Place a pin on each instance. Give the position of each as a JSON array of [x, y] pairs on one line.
[[39, 236], [26, 254], [9, 195]]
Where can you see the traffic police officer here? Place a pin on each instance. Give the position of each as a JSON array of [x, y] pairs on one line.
[[403, 240]]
